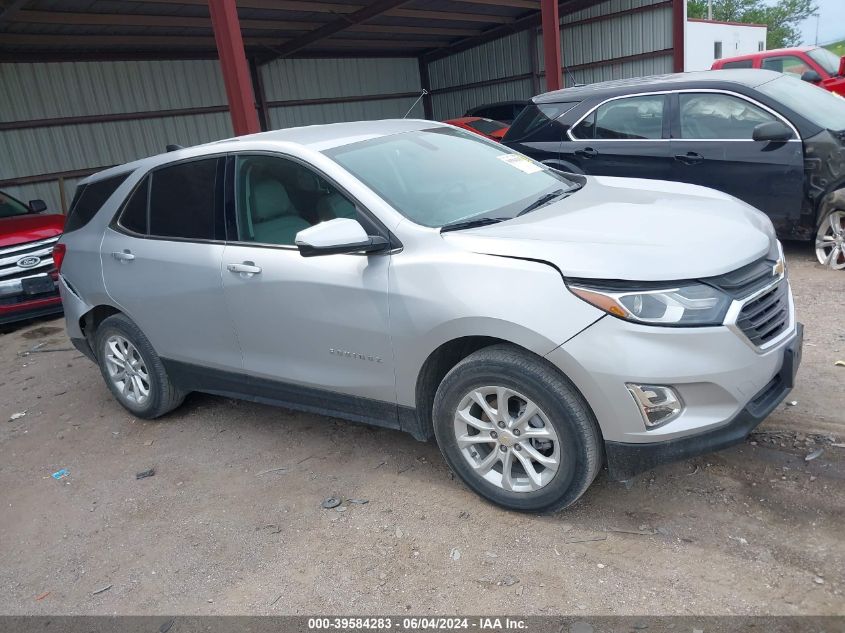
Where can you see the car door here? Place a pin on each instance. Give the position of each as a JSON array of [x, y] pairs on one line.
[[315, 328], [624, 136], [712, 145], [161, 263]]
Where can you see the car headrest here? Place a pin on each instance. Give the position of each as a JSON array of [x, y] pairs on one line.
[[335, 206], [269, 200]]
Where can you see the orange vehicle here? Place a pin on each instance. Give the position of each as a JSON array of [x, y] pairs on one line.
[[488, 128], [811, 63]]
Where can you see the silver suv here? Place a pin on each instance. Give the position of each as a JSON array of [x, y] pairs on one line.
[[407, 274]]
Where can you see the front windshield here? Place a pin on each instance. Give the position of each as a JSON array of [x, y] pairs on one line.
[[10, 207], [441, 176], [826, 59], [815, 104]]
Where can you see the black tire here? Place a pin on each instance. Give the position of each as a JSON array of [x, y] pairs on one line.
[[573, 421], [164, 396]]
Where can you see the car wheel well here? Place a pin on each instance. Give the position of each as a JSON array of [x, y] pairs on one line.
[[435, 368], [90, 321]]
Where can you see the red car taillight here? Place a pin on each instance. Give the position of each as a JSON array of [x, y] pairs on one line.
[[59, 255]]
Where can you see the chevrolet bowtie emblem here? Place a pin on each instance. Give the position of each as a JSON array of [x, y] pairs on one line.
[[778, 268]]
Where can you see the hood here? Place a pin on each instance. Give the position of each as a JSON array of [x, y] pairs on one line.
[[631, 229], [29, 228]]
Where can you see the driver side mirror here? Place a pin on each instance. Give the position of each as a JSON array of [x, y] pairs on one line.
[[811, 76], [773, 131], [341, 235], [37, 206]]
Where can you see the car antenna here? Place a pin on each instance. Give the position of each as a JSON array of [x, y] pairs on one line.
[[422, 94], [173, 147]]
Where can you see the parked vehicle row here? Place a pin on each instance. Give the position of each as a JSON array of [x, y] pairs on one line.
[[813, 64], [27, 272], [772, 140], [537, 324]]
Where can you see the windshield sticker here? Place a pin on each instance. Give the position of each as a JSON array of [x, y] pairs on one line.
[[520, 162]]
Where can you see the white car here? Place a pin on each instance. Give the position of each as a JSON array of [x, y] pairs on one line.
[[411, 275]]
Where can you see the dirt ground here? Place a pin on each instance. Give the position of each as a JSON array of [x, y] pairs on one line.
[[755, 529]]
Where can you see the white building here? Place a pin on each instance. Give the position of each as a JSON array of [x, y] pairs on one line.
[[709, 40]]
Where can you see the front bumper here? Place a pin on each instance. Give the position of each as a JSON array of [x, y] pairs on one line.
[[624, 460], [28, 298]]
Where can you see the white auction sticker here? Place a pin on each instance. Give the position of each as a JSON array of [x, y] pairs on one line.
[[520, 162]]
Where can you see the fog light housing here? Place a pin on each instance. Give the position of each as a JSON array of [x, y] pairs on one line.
[[658, 404]]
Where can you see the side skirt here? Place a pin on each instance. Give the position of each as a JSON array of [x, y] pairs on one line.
[[190, 377]]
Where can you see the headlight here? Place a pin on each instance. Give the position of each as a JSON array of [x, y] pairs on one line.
[[682, 305]]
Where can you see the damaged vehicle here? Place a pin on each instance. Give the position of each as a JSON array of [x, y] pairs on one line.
[[418, 277], [770, 139]]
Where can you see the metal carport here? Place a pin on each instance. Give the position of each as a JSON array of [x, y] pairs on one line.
[[91, 83]]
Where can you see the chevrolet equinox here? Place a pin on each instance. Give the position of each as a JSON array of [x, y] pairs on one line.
[[407, 274]]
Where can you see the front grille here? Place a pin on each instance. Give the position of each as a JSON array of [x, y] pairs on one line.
[[762, 319], [744, 282], [11, 255]]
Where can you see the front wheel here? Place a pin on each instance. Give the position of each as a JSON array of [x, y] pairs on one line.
[[132, 370], [830, 238], [516, 431]]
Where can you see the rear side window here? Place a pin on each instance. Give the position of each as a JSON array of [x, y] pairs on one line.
[[182, 201], [534, 118], [88, 199], [639, 118], [742, 63]]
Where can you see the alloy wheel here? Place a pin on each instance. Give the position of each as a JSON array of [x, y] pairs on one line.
[[830, 241], [507, 439], [127, 370]]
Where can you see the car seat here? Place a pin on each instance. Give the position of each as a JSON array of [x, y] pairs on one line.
[[273, 219]]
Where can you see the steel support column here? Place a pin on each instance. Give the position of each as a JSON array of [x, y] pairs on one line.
[[230, 48], [679, 23], [551, 43]]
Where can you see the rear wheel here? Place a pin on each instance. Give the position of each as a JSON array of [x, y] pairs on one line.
[[132, 370], [516, 431], [830, 235]]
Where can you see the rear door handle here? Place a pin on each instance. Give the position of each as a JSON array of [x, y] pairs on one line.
[[690, 158], [587, 152], [245, 269], [124, 256]]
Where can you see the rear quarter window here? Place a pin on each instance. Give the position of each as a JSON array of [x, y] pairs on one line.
[[88, 200], [743, 63]]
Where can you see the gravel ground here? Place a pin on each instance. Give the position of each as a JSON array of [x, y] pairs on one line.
[[755, 529]]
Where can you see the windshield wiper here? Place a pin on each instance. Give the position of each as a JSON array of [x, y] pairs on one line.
[[472, 222], [544, 199]]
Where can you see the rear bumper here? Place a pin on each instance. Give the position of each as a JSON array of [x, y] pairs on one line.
[[624, 460]]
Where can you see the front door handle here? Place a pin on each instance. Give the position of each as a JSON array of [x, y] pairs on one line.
[[690, 158], [124, 256], [245, 269], [587, 152]]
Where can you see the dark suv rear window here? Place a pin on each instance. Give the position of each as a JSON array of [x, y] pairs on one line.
[[89, 198], [534, 118]]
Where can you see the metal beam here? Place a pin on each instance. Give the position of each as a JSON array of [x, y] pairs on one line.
[[8, 13], [176, 21], [230, 48], [516, 4], [679, 22], [551, 43], [338, 25]]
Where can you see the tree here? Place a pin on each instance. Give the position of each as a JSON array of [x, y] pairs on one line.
[[783, 17]]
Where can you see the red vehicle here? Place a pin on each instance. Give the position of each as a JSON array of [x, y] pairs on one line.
[[488, 128], [811, 63], [27, 273]]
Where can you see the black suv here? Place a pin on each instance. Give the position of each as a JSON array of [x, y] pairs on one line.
[[769, 139]]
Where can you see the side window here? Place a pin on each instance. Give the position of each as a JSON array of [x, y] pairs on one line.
[[88, 199], [134, 215], [276, 198], [743, 63], [718, 116], [185, 201], [629, 118], [786, 64]]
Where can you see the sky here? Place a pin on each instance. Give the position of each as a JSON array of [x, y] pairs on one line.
[[831, 23]]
